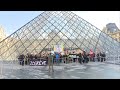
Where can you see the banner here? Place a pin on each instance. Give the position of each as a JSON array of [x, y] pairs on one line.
[[58, 48], [38, 62]]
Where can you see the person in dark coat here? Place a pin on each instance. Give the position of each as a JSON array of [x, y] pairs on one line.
[[87, 58], [35, 56], [60, 58], [84, 57], [31, 57], [25, 59], [21, 59], [93, 57], [80, 58], [103, 56], [28, 58], [57, 56], [98, 57]]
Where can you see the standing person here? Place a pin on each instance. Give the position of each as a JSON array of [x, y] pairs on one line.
[[87, 58], [31, 57], [93, 57], [80, 58], [98, 57], [84, 57], [54, 59], [101, 58], [57, 56], [50, 61], [60, 57], [35, 56], [104, 56], [91, 54], [27, 58], [74, 57], [22, 58], [66, 58]]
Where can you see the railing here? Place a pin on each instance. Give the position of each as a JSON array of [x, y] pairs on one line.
[[113, 60]]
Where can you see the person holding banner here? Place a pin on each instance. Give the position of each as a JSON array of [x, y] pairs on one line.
[[57, 56], [80, 58], [50, 61]]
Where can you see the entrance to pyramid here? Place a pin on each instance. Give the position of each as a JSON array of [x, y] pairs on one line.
[[60, 34]]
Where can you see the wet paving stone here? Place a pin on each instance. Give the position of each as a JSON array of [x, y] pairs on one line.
[[91, 70]]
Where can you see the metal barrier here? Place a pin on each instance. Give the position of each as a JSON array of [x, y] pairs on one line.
[[113, 60]]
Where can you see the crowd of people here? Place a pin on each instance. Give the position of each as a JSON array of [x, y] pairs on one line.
[[58, 58]]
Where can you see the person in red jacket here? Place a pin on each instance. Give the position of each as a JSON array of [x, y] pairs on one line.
[[91, 55]]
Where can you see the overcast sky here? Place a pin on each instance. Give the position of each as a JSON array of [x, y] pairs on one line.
[[13, 20], [100, 18]]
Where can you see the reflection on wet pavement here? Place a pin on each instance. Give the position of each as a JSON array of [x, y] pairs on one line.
[[92, 70]]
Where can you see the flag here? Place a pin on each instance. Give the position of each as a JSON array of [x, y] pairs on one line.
[[62, 47], [59, 48]]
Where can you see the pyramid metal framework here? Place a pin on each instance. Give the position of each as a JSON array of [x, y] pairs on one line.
[[56, 27]]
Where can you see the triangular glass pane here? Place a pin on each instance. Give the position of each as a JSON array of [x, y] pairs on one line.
[[56, 27]]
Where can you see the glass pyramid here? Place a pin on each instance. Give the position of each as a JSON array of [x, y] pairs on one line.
[[56, 28]]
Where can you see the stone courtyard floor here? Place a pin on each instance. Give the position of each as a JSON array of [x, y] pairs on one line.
[[91, 70]]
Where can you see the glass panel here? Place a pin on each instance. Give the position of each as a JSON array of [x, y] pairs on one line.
[[56, 27]]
